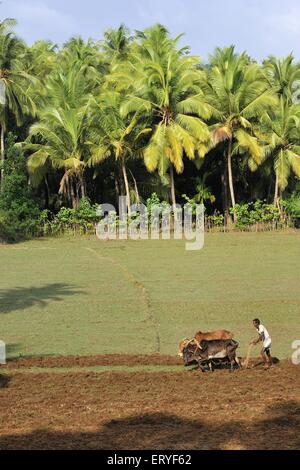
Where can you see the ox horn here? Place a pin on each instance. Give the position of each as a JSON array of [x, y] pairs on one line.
[[197, 344]]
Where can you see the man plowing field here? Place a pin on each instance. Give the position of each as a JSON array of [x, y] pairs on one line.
[[219, 348], [265, 338]]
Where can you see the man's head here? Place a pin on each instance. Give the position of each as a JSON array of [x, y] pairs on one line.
[[256, 323]]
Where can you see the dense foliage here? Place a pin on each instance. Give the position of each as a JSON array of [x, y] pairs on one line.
[[20, 214], [135, 114]]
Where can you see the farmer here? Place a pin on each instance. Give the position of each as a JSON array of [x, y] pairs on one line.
[[263, 336]]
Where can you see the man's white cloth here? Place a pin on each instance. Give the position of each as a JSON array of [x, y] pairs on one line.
[[262, 330]]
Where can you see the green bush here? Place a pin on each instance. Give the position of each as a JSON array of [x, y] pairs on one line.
[[191, 201], [255, 212], [216, 220], [152, 201], [292, 207], [20, 211], [155, 201], [9, 231], [82, 219]]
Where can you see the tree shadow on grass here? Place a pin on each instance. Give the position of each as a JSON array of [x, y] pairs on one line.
[[12, 348], [21, 298], [12, 351], [278, 430]]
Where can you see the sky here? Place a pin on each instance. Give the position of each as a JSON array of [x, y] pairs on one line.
[[261, 27]]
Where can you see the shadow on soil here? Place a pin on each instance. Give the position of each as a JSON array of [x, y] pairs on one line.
[[21, 298], [279, 430], [4, 381]]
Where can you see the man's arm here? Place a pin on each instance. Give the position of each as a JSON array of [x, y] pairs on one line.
[[261, 337]]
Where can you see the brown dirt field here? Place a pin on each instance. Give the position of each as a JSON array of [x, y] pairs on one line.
[[249, 409], [127, 360], [90, 361]]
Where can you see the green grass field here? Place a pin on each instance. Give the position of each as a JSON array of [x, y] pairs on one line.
[[81, 296]]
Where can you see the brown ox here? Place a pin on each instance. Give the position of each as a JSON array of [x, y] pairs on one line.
[[208, 336]]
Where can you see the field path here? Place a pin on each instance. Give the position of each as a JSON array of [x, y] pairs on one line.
[[139, 285]]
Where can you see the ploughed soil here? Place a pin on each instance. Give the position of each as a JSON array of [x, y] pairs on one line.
[[91, 361], [188, 409]]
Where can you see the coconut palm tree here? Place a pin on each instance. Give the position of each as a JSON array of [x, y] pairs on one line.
[[284, 76], [15, 97], [239, 93], [87, 53], [116, 43], [63, 148], [41, 59], [59, 139], [282, 128], [164, 86], [114, 135]]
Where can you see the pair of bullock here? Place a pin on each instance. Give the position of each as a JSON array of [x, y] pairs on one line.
[[209, 349]]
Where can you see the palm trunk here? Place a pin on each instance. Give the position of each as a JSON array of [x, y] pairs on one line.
[[117, 187], [269, 191], [47, 193], [230, 177], [126, 187], [73, 196], [276, 195], [138, 199], [225, 198], [173, 194], [2, 151], [82, 185], [77, 193]]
